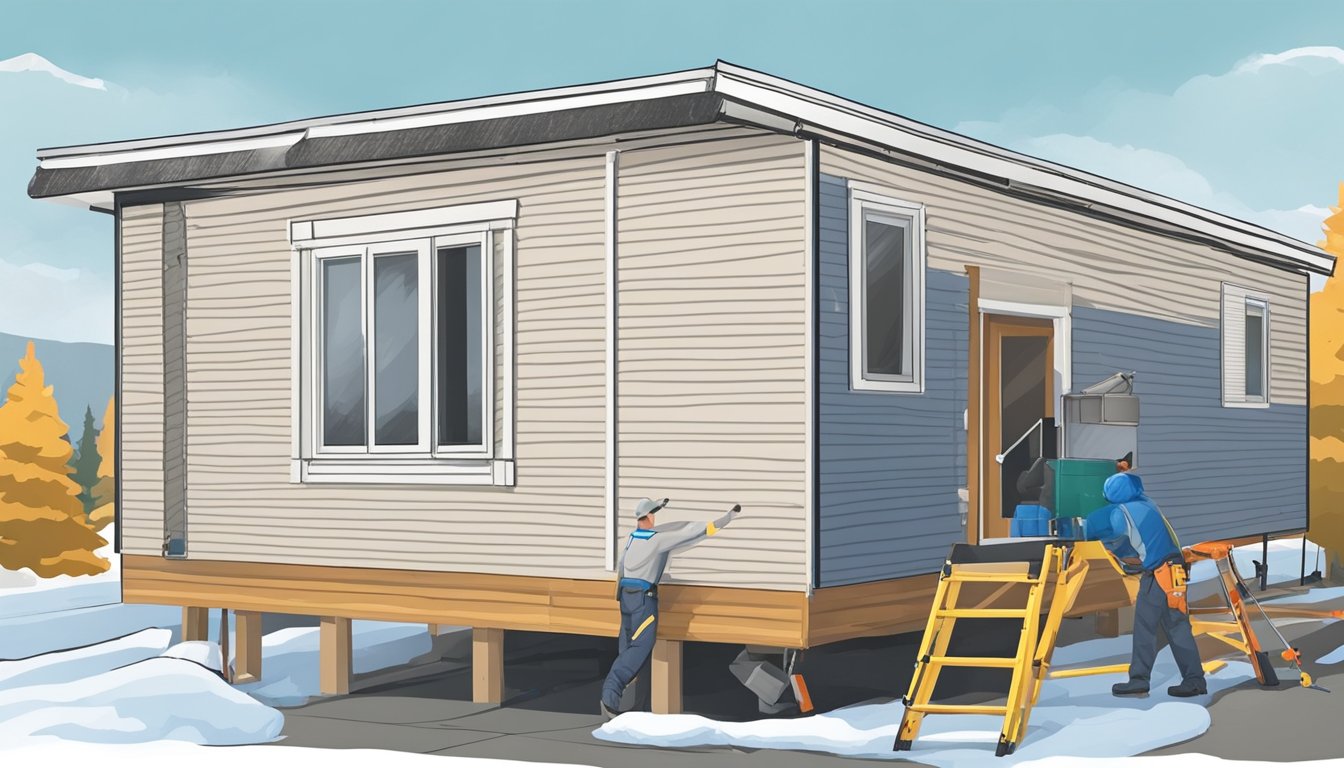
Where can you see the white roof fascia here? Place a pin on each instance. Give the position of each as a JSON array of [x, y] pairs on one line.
[[180, 150], [492, 112], [831, 112], [528, 102]]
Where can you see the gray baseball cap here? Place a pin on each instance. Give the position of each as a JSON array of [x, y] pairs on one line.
[[648, 507]]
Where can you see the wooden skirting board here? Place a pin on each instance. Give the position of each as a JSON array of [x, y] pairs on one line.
[[688, 613]]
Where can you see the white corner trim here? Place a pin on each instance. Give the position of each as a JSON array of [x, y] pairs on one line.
[[809, 356], [295, 365], [314, 232], [612, 485], [509, 364]]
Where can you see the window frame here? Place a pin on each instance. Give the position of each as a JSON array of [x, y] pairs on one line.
[[483, 225], [866, 203], [1235, 307]]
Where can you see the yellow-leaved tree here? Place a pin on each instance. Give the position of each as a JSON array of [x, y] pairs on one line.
[[104, 492], [42, 524], [1326, 467]]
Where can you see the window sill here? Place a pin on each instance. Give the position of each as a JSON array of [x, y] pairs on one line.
[[480, 472], [1232, 404], [875, 385]]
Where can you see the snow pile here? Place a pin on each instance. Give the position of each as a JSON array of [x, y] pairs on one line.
[[1077, 717], [77, 663], [154, 699], [1178, 761], [289, 667]]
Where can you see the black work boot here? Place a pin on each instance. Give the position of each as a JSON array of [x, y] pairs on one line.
[[1188, 688], [1130, 688]]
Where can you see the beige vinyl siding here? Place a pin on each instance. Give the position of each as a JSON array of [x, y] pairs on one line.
[[1110, 266], [243, 505], [711, 346], [142, 405]]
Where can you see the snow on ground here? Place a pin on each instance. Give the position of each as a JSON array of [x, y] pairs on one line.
[[289, 657], [158, 698], [1333, 657], [182, 753], [1077, 717], [22, 593], [67, 666], [1177, 761]]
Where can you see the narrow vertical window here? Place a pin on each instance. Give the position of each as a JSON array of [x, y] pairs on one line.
[[1256, 362], [343, 374], [886, 292], [886, 247], [396, 387], [460, 350]]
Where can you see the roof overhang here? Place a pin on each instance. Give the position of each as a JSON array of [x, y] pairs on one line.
[[90, 175]]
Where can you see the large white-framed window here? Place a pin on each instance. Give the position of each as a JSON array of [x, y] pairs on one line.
[[395, 347], [886, 291], [1246, 337]]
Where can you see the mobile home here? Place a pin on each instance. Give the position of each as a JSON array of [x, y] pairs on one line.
[[418, 364]]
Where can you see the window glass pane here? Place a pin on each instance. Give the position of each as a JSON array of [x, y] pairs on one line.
[[396, 383], [342, 353], [1255, 352], [461, 346], [885, 252]]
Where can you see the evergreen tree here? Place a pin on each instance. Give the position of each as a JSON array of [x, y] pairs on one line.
[[85, 461], [1326, 466], [42, 525], [104, 493]]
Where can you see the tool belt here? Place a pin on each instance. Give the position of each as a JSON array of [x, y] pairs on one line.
[[636, 585], [1172, 577]]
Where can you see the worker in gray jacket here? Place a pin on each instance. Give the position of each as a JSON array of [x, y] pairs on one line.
[[642, 567]]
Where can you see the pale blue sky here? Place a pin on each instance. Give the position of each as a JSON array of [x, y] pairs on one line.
[[1230, 104]]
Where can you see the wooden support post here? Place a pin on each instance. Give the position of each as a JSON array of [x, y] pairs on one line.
[[247, 660], [666, 674], [433, 630], [195, 623], [334, 655], [487, 665]]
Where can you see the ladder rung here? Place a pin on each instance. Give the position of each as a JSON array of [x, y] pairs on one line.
[[957, 709], [997, 578], [983, 613], [1002, 662]]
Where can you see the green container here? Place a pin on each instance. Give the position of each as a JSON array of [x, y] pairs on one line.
[[1077, 485]]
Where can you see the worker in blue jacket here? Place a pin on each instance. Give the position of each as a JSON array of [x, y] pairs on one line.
[[1133, 529]]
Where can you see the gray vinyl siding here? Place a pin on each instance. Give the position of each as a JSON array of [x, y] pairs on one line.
[[1216, 472], [891, 463], [142, 380], [712, 334], [174, 381]]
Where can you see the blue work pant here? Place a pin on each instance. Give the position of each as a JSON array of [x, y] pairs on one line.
[[1150, 611], [639, 626]]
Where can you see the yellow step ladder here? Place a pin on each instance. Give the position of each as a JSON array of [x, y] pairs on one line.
[[1038, 565], [1057, 570]]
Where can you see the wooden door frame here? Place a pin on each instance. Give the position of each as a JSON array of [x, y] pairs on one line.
[[977, 308], [997, 327]]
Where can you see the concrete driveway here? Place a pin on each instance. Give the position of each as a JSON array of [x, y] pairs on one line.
[[553, 683]]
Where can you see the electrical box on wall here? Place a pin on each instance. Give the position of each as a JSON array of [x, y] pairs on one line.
[[1102, 421]]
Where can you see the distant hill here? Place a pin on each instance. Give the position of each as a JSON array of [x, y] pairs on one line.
[[81, 374]]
